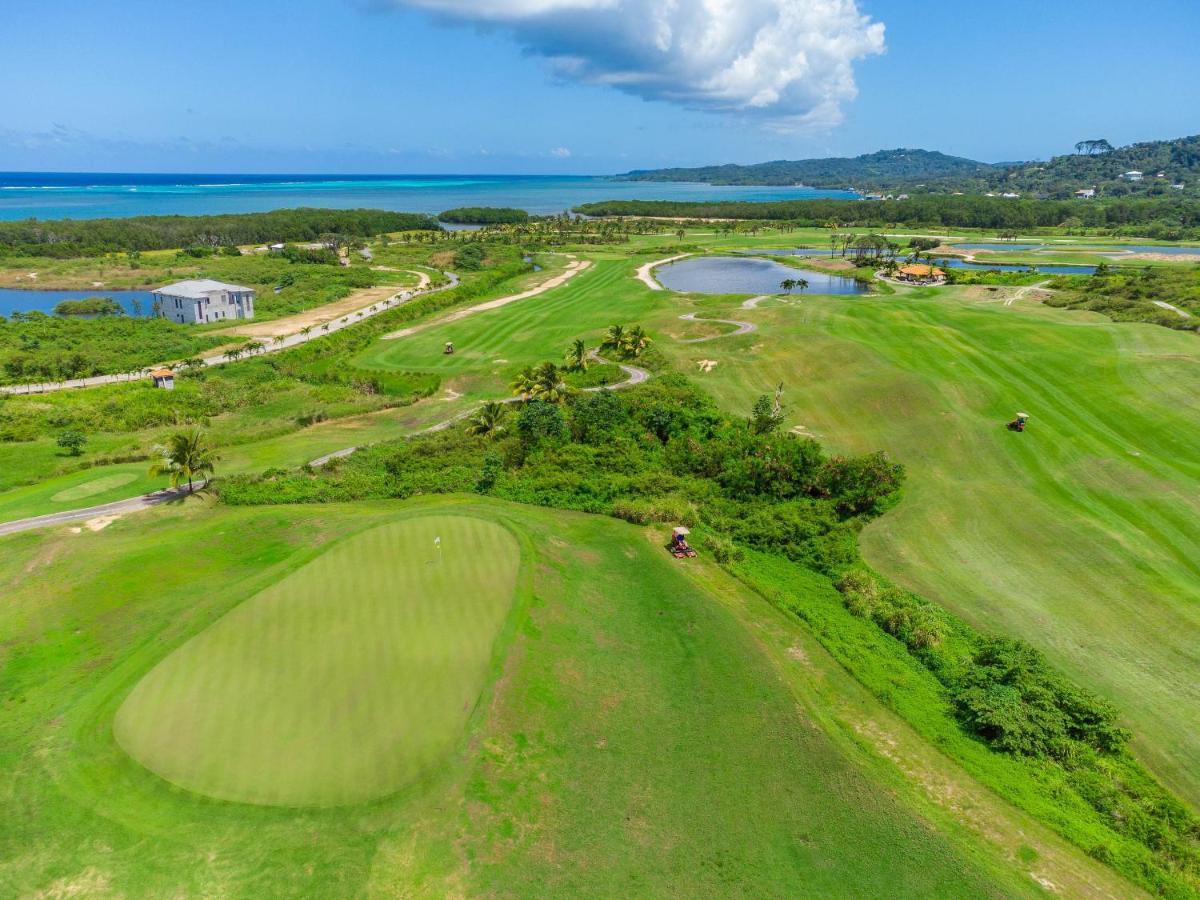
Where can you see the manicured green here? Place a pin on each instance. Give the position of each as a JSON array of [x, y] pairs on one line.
[[343, 682], [631, 735]]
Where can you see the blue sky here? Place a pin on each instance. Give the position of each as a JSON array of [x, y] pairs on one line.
[[579, 86]]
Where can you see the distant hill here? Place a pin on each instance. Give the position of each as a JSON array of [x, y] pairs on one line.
[[884, 169], [1097, 165]]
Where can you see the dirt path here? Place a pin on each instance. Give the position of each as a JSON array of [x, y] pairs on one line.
[[278, 341], [1024, 292], [753, 302], [742, 328], [550, 284], [644, 272]]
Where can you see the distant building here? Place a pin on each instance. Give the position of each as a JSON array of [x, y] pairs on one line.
[[204, 300], [1085, 194], [276, 248], [1133, 176], [163, 378], [918, 273], [1179, 186], [1010, 196]]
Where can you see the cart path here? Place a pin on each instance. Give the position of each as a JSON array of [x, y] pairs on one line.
[[742, 328], [753, 302], [116, 508], [644, 271], [282, 342], [573, 269], [1183, 313], [635, 375]]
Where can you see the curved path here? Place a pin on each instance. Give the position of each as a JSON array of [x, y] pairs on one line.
[[116, 508], [283, 342], [644, 272], [742, 328], [635, 376], [549, 284]]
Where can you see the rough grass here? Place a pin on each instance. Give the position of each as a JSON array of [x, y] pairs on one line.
[[342, 682], [633, 739]]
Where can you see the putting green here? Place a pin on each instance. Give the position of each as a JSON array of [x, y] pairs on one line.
[[94, 487], [341, 683]]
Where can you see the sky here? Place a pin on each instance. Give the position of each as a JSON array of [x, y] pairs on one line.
[[579, 86]]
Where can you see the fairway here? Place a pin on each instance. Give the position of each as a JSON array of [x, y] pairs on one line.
[[1078, 535], [344, 681]]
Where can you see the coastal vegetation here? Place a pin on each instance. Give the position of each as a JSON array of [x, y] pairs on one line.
[[89, 306], [484, 215], [95, 237], [1167, 297]]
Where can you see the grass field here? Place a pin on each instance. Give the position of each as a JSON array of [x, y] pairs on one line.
[[1078, 535], [657, 735], [340, 683]]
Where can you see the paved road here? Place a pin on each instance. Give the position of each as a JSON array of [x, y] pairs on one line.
[[117, 508], [742, 328], [269, 346]]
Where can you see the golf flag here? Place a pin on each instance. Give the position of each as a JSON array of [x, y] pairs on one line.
[[437, 542]]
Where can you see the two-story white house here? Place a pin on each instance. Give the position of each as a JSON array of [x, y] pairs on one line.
[[204, 300]]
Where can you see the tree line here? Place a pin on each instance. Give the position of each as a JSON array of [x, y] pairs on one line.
[[65, 238]]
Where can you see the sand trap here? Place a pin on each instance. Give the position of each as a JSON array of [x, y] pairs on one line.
[[99, 523], [707, 365], [643, 272]]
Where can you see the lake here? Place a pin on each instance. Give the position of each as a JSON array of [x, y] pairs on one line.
[[998, 247], [15, 300], [736, 275], [956, 263], [95, 195]]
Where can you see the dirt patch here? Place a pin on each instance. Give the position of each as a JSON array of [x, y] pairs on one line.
[[707, 365], [91, 882], [442, 260], [827, 265], [312, 318], [99, 523]]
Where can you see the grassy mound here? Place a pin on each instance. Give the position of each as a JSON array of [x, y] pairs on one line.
[[340, 683]]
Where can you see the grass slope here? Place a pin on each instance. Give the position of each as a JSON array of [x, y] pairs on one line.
[[1078, 535], [634, 739], [340, 683]]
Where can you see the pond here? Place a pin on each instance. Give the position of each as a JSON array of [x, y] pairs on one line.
[[20, 300], [734, 275], [956, 263], [1150, 248], [998, 247]]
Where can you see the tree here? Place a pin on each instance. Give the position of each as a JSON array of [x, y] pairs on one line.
[[72, 441], [306, 331], [186, 457], [488, 420], [548, 384], [787, 285], [614, 339], [577, 356], [767, 415], [636, 341], [801, 284], [1092, 147], [539, 422], [525, 383]]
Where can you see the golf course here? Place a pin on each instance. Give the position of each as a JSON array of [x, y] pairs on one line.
[[369, 677]]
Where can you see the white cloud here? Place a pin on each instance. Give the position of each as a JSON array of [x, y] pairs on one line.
[[560, 153], [789, 62]]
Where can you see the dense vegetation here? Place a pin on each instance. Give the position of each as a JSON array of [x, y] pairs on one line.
[[883, 169], [1095, 164], [1172, 218], [484, 215], [89, 306], [663, 453], [1134, 295], [92, 237], [37, 347]]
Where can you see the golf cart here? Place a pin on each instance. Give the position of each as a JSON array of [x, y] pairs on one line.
[[1018, 424], [449, 351], [680, 549]]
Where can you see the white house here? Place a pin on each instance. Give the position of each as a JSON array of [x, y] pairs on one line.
[[163, 378], [204, 300], [1085, 194], [1133, 176]]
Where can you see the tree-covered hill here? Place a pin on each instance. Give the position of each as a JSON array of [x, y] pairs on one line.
[[1094, 164], [884, 169]]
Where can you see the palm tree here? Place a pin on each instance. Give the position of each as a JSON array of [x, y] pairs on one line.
[[325, 327], [636, 341], [525, 383], [614, 338], [800, 284], [306, 331], [253, 347], [548, 384], [186, 457], [488, 420], [577, 356], [234, 353], [279, 339], [787, 285]]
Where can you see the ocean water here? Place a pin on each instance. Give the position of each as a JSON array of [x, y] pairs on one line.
[[49, 195]]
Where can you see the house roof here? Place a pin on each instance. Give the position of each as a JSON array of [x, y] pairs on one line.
[[921, 271], [162, 373], [198, 288]]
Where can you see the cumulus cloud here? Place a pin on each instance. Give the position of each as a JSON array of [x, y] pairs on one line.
[[789, 62]]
